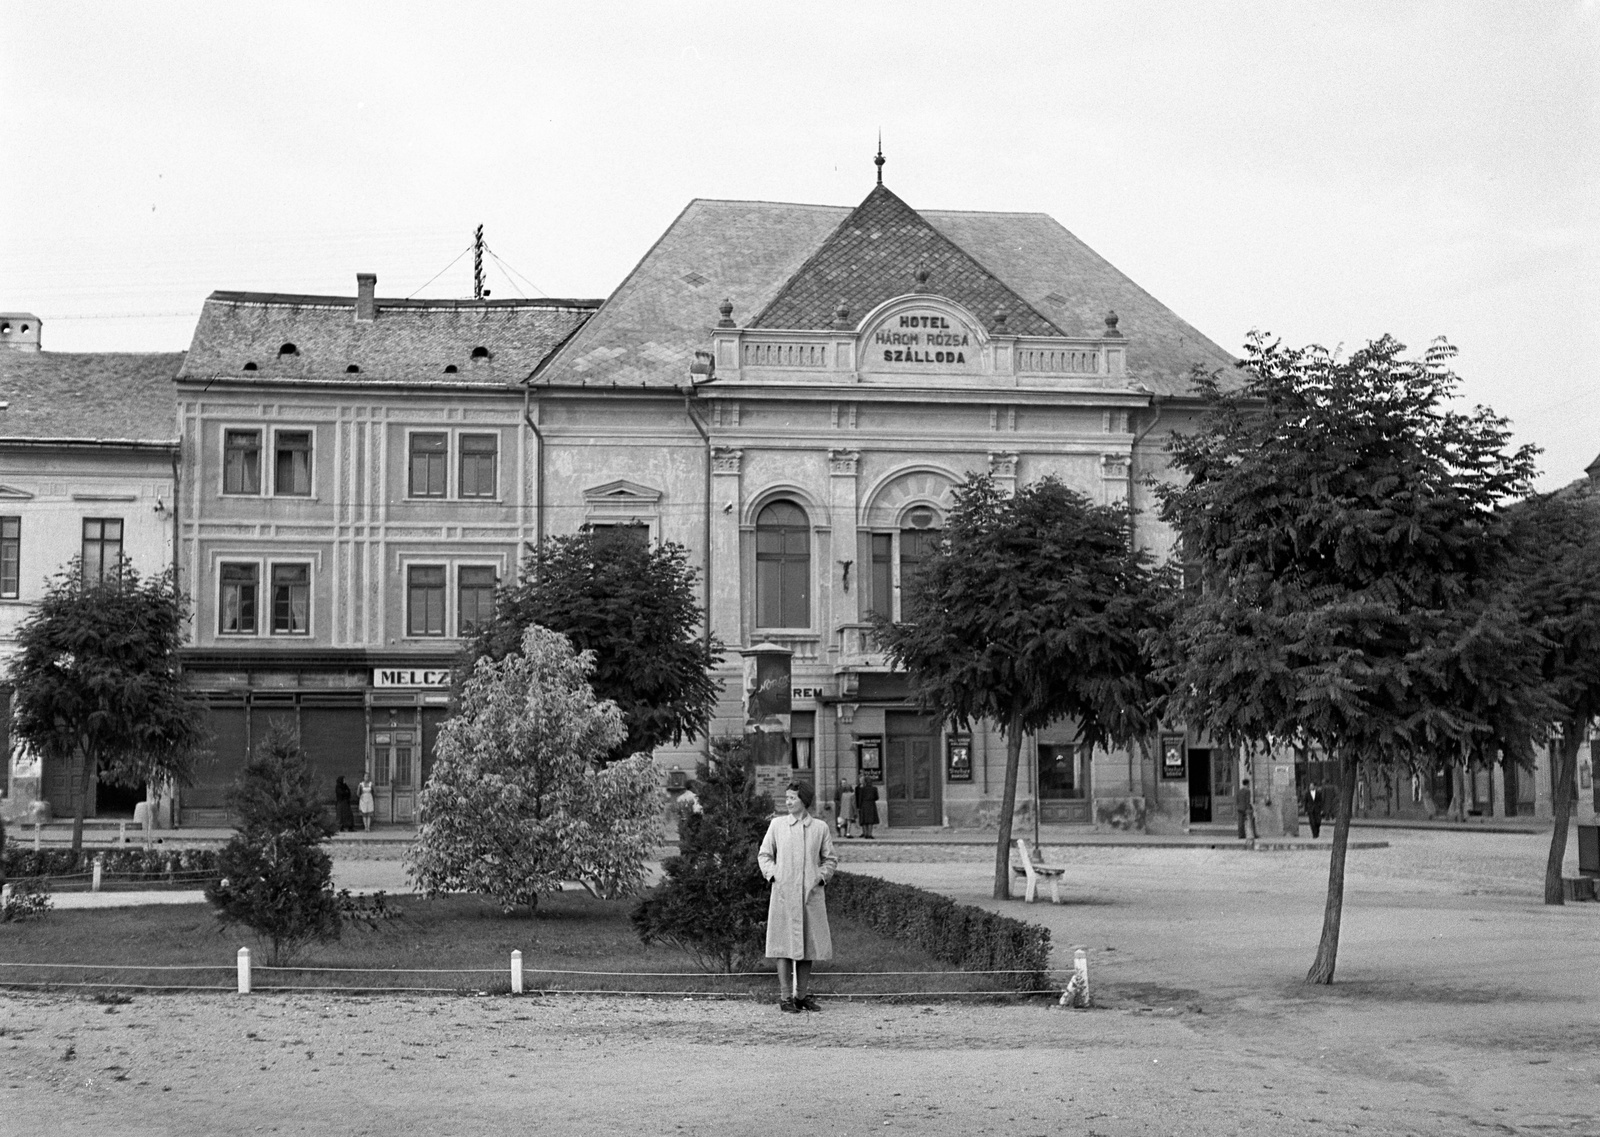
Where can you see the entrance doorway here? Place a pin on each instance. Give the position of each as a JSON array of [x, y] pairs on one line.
[[1063, 783], [912, 779], [394, 776], [1199, 786], [116, 801]]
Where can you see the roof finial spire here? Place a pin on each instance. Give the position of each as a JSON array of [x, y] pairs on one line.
[[879, 160]]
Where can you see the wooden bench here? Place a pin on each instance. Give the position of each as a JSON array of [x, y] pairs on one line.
[[1035, 872]]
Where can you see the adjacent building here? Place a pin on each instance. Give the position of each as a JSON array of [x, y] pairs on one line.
[[88, 469]]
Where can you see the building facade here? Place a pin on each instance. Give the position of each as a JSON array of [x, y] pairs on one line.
[[88, 469]]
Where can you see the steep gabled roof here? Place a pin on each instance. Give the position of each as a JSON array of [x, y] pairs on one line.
[[886, 249], [89, 396], [646, 333], [407, 341]]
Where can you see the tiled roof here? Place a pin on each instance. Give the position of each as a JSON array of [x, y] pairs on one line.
[[885, 249], [408, 341], [650, 327], [100, 396]]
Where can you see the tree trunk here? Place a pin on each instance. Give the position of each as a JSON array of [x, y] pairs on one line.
[[1328, 947], [1566, 766], [1008, 805], [87, 765]]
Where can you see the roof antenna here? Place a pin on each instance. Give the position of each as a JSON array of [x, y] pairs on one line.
[[879, 160], [477, 265]]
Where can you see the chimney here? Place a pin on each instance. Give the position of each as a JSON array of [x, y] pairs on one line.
[[19, 331], [366, 305]]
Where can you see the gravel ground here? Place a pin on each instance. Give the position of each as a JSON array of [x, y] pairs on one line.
[[1462, 1005]]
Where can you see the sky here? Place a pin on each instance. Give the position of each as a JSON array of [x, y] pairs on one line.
[[1326, 173]]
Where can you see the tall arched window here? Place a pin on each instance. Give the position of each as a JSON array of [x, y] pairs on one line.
[[783, 567]]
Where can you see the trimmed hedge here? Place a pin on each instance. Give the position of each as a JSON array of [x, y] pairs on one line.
[[156, 866], [970, 938]]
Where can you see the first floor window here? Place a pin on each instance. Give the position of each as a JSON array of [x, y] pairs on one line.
[[293, 475], [477, 466], [291, 600], [102, 547], [241, 461], [475, 605], [425, 600], [629, 533], [10, 555], [783, 567], [430, 455], [239, 587]]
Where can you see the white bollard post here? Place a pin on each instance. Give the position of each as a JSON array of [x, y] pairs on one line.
[[244, 971], [37, 829], [99, 867], [1077, 992], [122, 832], [516, 973]]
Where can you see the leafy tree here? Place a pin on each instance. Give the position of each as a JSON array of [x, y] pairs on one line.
[[1556, 579], [634, 607], [1031, 610], [274, 876], [519, 800], [713, 902], [97, 680], [1343, 525]]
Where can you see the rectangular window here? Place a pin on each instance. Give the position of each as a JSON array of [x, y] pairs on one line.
[[475, 599], [637, 536], [102, 547], [10, 555], [241, 461], [240, 584], [883, 575], [477, 466], [430, 454], [291, 600], [1063, 772], [292, 476], [425, 600]]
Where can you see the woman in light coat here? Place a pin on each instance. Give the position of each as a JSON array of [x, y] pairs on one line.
[[797, 857]]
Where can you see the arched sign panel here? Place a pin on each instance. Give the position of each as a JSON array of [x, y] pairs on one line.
[[920, 338]]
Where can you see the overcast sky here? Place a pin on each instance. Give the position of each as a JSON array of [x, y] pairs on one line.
[[1327, 172]]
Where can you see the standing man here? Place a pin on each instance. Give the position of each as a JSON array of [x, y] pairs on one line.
[[1314, 801], [1244, 806]]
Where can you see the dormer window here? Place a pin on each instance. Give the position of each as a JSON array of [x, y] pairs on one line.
[[480, 353], [451, 369], [288, 349], [251, 366], [353, 369]]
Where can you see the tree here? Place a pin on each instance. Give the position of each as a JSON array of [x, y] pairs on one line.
[[634, 607], [521, 798], [1031, 610], [1556, 579], [713, 902], [1342, 522], [97, 680], [274, 876]]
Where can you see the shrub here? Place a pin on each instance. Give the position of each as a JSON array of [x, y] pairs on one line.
[[149, 866], [970, 938], [24, 900], [276, 878], [713, 902]]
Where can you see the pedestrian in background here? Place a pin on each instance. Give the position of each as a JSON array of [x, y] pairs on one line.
[[1314, 801], [797, 857], [1244, 807], [366, 802], [844, 806], [341, 801], [866, 807]]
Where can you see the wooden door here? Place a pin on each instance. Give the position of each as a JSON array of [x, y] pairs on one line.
[[1199, 786], [913, 781], [394, 776]]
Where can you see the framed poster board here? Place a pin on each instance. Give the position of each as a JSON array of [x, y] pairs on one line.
[[958, 758], [869, 754], [1174, 758]]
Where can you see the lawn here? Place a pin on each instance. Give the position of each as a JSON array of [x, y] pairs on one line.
[[450, 944]]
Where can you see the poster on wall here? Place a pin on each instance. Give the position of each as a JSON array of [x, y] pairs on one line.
[[1173, 759], [958, 767], [871, 756]]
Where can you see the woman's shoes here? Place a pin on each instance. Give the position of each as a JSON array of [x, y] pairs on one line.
[[808, 1004], [789, 1006]]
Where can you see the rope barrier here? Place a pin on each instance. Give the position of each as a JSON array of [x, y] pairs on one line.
[[124, 966]]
